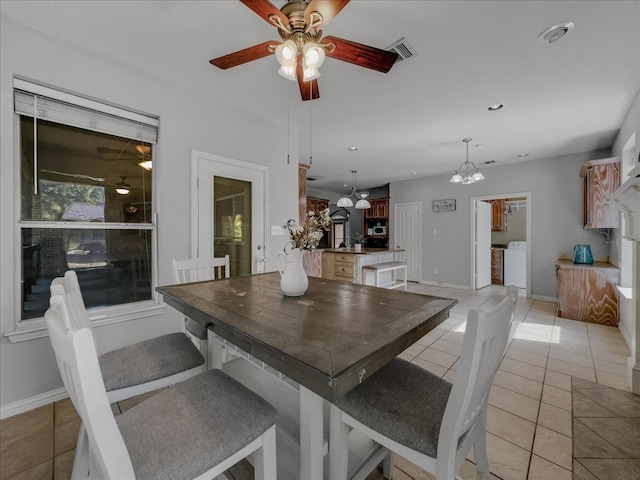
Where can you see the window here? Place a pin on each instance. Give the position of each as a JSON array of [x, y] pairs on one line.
[[86, 198]]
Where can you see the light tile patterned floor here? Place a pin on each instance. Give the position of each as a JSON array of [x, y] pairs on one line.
[[530, 407]]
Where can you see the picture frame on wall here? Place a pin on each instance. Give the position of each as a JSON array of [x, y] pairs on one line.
[[448, 205]]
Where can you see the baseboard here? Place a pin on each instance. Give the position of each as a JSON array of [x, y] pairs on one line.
[[440, 284], [22, 406], [546, 299]]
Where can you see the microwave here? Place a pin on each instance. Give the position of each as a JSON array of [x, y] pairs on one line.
[[379, 230]]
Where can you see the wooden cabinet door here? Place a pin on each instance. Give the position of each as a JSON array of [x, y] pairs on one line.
[[600, 181], [498, 218]]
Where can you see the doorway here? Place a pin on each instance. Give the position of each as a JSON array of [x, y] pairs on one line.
[[407, 235], [521, 208], [228, 198]]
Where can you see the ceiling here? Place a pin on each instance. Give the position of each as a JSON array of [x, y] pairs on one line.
[[562, 98]]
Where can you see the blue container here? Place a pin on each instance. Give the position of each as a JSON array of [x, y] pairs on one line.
[[582, 254]]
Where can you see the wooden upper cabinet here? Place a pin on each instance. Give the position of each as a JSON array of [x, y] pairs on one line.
[[498, 217], [601, 179], [379, 208], [316, 204]]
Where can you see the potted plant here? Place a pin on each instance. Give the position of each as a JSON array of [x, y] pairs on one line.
[[358, 238]]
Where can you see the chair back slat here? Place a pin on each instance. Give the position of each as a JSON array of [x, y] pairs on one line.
[[78, 364], [69, 287], [201, 269], [485, 341]]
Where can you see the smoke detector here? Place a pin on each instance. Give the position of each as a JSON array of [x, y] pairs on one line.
[[556, 32]]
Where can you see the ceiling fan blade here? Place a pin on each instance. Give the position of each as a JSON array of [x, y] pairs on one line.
[[243, 56], [362, 55], [265, 9], [308, 90], [327, 8]]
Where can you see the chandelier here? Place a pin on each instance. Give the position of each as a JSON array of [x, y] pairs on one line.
[[467, 172], [362, 203]]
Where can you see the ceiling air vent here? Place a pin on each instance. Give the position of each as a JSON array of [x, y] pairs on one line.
[[403, 49]]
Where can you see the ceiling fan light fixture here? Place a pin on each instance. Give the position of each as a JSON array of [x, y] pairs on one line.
[[122, 187], [310, 73], [313, 55], [286, 53], [288, 72], [146, 164]]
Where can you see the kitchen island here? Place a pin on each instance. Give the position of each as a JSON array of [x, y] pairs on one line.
[[346, 263]]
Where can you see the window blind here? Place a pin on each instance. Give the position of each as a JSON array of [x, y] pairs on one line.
[[34, 100]]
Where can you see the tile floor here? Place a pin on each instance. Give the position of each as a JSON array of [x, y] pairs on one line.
[[552, 412]]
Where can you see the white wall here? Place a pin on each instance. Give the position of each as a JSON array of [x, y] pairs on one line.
[[629, 309], [188, 120], [556, 216]]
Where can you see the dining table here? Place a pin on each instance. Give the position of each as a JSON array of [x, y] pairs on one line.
[[328, 340]]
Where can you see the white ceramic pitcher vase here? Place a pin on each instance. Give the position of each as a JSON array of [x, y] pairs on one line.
[[293, 278]]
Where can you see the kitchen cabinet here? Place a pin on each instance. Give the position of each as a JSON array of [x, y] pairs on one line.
[[587, 292], [497, 266], [346, 264], [316, 204], [379, 208], [498, 217], [376, 223], [601, 178]]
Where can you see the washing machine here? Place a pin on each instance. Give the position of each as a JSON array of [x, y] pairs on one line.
[[515, 264]]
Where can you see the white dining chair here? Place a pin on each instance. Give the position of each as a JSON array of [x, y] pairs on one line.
[[131, 370], [419, 415], [199, 270], [195, 429]]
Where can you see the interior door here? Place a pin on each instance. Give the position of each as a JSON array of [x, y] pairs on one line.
[[230, 212], [483, 244], [407, 234]]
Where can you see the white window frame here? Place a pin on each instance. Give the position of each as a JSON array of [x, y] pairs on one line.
[[29, 329]]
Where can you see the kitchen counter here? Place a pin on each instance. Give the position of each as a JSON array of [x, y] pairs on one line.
[[594, 265], [346, 263], [587, 292], [364, 251]]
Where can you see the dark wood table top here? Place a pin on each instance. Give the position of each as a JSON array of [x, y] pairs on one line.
[[329, 339]]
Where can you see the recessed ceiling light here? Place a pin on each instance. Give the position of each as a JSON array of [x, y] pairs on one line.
[[523, 155], [556, 32], [414, 173], [353, 149], [495, 106]]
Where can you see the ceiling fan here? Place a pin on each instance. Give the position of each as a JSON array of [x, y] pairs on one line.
[[299, 23]]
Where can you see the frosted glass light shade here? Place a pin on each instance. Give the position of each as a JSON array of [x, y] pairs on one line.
[[363, 204], [286, 53], [457, 178], [345, 202], [477, 176], [288, 72], [313, 55]]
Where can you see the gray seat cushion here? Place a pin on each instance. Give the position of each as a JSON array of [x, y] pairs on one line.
[[195, 328], [148, 360], [402, 401], [192, 426]]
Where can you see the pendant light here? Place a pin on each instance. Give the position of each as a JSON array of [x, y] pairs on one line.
[[122, 187], [362, 203], [467, 172]]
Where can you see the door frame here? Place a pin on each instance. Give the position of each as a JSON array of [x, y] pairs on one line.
[[196, 157], [472, 233], [419, 232]]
